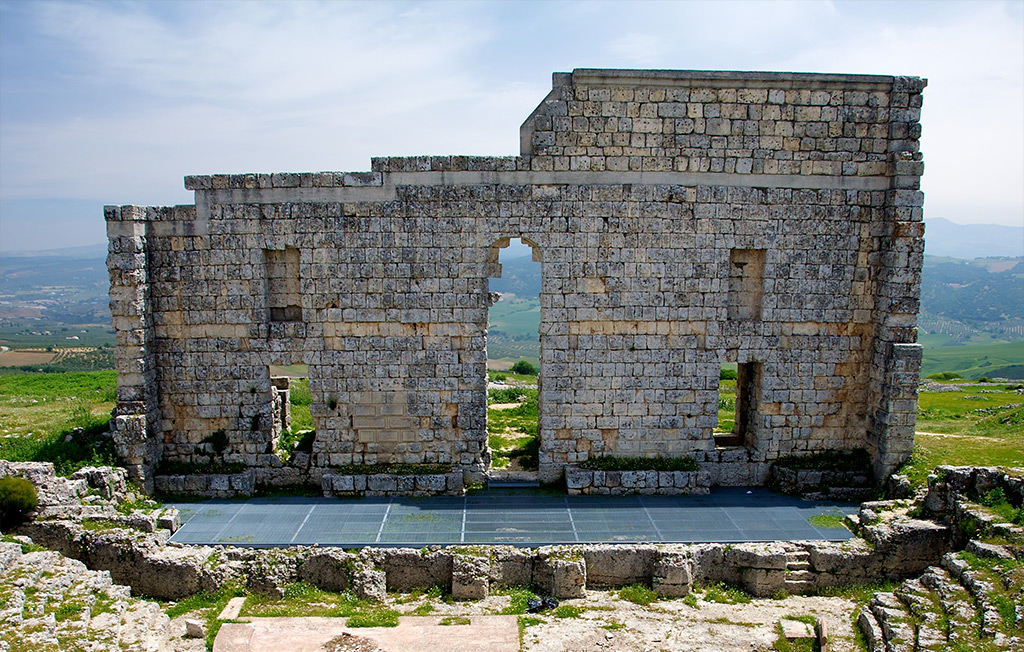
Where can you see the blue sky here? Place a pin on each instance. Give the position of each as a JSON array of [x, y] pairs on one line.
[[114, 102]]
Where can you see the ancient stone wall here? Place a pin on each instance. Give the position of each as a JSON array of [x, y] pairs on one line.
[[682, 220]]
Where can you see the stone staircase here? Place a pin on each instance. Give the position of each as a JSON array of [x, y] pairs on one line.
[[800, 580], [946, 608], [49, 603]]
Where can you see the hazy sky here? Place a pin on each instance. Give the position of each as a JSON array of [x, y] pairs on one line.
[[114, 102]]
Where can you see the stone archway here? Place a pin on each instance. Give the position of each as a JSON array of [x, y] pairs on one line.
[[515, 443]]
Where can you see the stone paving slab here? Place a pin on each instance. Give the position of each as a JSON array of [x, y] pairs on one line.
[[727, 515], [413, 634]]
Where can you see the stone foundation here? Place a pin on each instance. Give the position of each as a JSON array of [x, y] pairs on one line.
[[391, 484], [585, 481]]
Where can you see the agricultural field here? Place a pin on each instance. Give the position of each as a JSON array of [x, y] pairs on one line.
[[998, 360], [512, 332], [49, 348]]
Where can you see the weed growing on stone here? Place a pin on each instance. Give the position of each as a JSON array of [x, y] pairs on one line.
[[453, 620], [722, 620], [614, 463], [834, 520], [519, 598], [527, 621], [25, 547], [638, 594], [783, 644], [304, 599], [725, 594]]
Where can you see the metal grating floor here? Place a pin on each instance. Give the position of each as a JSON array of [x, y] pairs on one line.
[[513, 517]]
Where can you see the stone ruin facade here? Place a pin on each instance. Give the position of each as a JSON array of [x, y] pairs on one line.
[[683, 220]]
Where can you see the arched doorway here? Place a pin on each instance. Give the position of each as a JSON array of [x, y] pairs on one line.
[[513, 362]]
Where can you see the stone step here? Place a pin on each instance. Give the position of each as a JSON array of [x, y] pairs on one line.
[[798, 566], [800, 576], [873, 634], [895, 622], [513, 484]]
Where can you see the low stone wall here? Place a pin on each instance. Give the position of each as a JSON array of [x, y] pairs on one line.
[[213, 485], [893, 546], [392, 484], [586, 481], [244, 484], [835, 485], [148, 563]]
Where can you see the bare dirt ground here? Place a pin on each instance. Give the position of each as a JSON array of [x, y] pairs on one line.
[[17, 357]]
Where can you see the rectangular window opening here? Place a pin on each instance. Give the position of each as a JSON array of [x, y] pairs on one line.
[[746, 284], [284, 291]]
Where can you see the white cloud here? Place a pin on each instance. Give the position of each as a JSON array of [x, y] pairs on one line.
[[140, 94]]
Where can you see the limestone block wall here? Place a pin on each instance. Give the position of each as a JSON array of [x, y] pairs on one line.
[[682, 219]]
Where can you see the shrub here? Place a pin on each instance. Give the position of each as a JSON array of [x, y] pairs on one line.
[[727, 374], [507, 394], [17, 498], [945, 375], [523, 368]]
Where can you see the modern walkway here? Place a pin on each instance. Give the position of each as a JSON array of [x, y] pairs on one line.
[[509, 517]]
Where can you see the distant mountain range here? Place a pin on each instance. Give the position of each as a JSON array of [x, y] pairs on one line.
[[945, 238], [972, 288]]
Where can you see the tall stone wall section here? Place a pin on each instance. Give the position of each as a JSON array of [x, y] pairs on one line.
[[682, 220]]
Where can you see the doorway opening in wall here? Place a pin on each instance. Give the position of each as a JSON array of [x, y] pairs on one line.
[[737, 403], [292, 423], [513, 359]]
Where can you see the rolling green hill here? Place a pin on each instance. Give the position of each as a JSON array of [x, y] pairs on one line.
[[991, 361]]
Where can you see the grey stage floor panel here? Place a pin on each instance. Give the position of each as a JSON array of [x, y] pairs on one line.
[[513, 517]]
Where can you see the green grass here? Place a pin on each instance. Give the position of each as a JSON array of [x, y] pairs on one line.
[[97, 386], [453, 620], [568, 611], [376, 617], [512, 433], [519, 596], [726, 402], [987, 423], [835, 520], [38, 412], [638, 594], [304, 599], [205, 606], [973, 361]]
